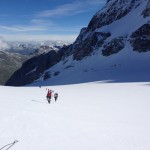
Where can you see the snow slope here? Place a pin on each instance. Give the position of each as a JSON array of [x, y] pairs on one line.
[[89, 116], [121, 67]]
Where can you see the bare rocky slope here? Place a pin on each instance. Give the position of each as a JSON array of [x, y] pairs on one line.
[[14, 54]]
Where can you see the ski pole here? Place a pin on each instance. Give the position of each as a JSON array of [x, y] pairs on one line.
[[10, 145]]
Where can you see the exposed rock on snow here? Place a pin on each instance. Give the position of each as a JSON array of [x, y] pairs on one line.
[[146, 11], [141, 38], [113, 46]]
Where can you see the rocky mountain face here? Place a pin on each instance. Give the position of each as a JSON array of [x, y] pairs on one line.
[[121, 25], [9, 63], [33, 68], [14, 54], [98, 34]]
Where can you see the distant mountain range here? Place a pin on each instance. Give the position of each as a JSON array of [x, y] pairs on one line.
[[13, 54], [31, 47], [115, 46]]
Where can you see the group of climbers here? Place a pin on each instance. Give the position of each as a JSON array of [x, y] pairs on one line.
[[49, 95]]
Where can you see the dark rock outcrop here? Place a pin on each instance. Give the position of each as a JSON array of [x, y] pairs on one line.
[[113, 47], [47, 75], [102, 36], [86, 44], [85, 47], [146, 11], [140, 39]]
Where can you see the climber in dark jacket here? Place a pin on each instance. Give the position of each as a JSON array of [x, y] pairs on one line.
[[55, 96]]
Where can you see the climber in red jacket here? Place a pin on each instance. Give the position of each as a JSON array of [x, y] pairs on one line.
[[49, 95]]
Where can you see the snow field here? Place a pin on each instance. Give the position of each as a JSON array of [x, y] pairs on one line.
[[88, 116]]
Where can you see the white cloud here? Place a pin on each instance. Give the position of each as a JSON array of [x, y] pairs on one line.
[[17, 28], [95, 2], [3, 44], [41, 22], [40, 37], [63, 10], [65, 29], [70, 9]]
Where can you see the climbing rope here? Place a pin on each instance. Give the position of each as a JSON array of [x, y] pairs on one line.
[[8, 146]]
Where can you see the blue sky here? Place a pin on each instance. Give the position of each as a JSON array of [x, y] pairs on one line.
[[45, 19]]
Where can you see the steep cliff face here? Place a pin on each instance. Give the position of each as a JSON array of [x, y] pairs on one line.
[[114, 10], [33, 68], [122, 26], [112, 26]]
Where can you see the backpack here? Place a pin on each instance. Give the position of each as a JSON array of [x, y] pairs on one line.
[[56, 95]]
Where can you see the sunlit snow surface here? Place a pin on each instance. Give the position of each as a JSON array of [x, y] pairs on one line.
[[90, 116]]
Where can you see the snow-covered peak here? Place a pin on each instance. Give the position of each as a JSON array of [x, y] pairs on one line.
[[31, 47], [114, 10], [55, 43]]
